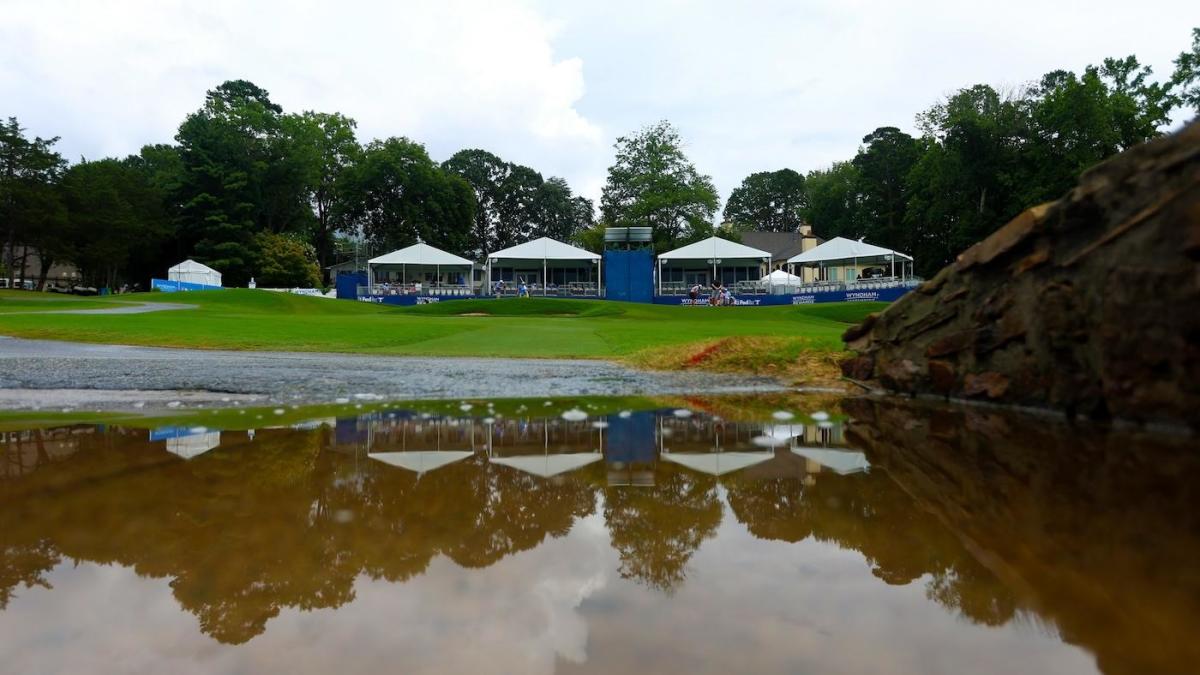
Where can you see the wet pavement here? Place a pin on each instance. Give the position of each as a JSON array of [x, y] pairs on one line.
[[46, 370], [124, 308]]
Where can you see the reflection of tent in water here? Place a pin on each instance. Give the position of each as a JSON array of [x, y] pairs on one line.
[[185, 442], [549, 465], [421, 461], [841, 462], [190, 446], [719, 463]]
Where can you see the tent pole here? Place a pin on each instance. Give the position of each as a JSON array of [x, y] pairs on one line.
[[544, 284], [893, 257]]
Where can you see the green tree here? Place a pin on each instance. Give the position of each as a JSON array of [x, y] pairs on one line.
[[240, 178], [883, 163], [653, 183], [485, 173], [833, 201], [774, 201], [323, 145], [31, 210], [162, 167], [285, 261], [397, 196], [1187, 75], [114, 211], [561, 215]]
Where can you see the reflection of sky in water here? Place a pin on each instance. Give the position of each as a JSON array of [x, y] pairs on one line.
[[747, 605], [295, 550]]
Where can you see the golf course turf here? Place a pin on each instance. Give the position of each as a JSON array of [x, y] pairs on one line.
[[238, 319]]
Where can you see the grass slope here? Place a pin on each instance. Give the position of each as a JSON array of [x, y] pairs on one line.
[[259, 320]]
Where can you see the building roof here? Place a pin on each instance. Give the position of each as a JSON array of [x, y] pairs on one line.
[[781, 245], [543, 248], [715, 248], [419, 254], [840, 248]]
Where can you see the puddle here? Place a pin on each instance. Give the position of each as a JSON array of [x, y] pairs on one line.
[[698, 534]]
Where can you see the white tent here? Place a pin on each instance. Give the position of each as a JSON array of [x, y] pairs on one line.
[[193, 445], [840, 249], [421, 256], [422, 461], [716, 247], [191, 272], [779, 279], [543, 250], [549, 465], [714, 252], [719, 463], [841, 462]]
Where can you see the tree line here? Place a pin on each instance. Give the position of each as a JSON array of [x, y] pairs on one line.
[[254, 191]]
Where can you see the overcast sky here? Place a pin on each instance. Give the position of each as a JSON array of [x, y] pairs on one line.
[[752, 86]]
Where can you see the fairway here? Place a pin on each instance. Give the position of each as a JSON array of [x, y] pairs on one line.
[[531, 328]]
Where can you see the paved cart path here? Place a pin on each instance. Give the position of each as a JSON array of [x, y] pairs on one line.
[[125, 308], [34, 370]]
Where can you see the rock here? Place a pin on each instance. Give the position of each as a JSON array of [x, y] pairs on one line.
[[1088, 305]]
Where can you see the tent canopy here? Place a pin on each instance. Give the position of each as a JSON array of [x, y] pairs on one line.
[[841, 462], [719, 463], [715, 248], [190, 271], [419, 254], [543, 248], [549, 465], [782, 277], [421, 461], [840, 248]]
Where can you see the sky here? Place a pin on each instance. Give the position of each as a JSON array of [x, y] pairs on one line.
[[751, 86]]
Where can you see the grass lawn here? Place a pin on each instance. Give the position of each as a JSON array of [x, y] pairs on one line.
[[540, 328]]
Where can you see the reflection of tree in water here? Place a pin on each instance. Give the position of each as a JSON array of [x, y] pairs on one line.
[[868, 513], [657, 530], [24, 565], [253, 527]]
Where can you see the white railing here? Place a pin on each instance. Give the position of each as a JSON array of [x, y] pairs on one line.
[[443, 290], [571, 289]]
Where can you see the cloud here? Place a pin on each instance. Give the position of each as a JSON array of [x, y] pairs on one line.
[[109, 77], [752, 86]]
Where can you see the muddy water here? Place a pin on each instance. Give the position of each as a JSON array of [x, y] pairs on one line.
[[896, 539]]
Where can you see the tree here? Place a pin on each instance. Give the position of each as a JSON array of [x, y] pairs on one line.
[[285, 261], [397, 195], [652, 183], [239, 178], [114, 211], [30, 208], [883, 163], [514, 203], [560, 215], [1187, 75], [833, 201], [773, 201], [485, 173], [324, 146]]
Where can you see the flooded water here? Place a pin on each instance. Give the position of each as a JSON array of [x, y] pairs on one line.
[[704, 536]]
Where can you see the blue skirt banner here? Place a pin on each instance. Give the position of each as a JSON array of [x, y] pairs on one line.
[[873, 295]]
